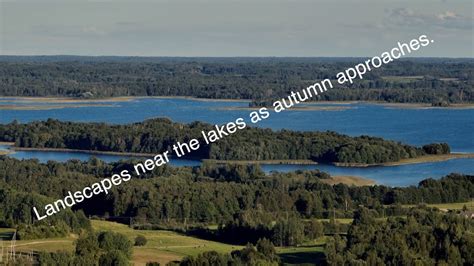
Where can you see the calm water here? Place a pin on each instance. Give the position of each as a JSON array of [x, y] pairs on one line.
[[45, 156], [412, 126]]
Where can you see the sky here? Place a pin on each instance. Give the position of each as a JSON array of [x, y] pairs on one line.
[[356, 28]]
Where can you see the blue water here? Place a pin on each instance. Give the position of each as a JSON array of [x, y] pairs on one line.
[[45, 156], [411, 126], [401, 175]]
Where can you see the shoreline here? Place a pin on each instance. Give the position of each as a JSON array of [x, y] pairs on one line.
[[245, 162], [48, 99], [418, 160], [423, 106], [51, 99], [422, 159], [133, 154], [295, 108], [49, 107]]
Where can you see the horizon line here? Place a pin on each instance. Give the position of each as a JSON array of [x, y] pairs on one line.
[[227, 56]]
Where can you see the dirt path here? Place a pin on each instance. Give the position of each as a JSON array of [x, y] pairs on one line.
[[40, 242]]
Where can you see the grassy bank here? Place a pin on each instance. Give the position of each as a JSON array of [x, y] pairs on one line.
[[295, 108], [421, 159]]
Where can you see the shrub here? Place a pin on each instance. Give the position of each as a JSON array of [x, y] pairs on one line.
[[140, 240]]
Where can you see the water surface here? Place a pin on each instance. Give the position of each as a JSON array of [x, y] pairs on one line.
[[411, 126]]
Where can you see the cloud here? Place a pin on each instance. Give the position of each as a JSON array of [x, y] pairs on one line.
[[406, 17], [447, 15], [92, 30]]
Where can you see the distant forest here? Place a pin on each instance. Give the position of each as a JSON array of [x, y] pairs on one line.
[[158, 135], [423, 80]]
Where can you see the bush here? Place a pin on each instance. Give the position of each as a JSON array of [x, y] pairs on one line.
[[115, 258], [140, 240], [437, 148]]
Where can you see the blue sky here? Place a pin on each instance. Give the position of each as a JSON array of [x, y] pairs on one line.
[[234, 28]]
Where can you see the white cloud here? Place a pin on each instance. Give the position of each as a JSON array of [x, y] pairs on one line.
[[406, 17]]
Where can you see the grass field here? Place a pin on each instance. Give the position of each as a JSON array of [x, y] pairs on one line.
[[309, 253], [302, 255], [163, 246], [49, 245]]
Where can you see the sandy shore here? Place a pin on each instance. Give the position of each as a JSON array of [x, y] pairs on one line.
[[295, 108], [66, 99], [131, 98], [50, 107], [424, 105], [422, 159], [8, 151], [5, 152], [192, 98]]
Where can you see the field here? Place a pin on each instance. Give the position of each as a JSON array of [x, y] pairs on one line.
[[162, 246], [50, 244], [302, 255]]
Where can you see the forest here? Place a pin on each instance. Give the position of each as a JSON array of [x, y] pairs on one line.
[[264, 210], [448, 80], [423, 237], [210, 193], [158, 135]]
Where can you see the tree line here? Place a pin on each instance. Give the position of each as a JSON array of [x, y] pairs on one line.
[[424, 237], [158, 135], [407, 80]]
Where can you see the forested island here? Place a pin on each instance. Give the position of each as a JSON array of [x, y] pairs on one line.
[[436, 81], [253, 144], [280, 209]]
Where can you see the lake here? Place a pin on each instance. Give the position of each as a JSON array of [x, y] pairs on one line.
[[411, 126]]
